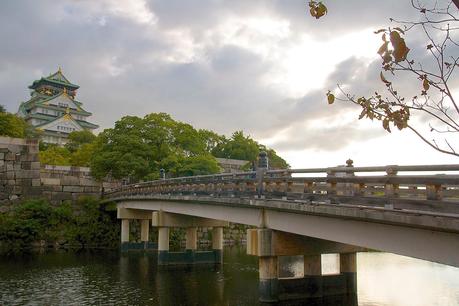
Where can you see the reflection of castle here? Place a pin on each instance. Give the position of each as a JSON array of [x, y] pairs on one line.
[[53, 109]]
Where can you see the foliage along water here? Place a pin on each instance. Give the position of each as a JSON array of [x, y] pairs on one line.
[[111, 278]]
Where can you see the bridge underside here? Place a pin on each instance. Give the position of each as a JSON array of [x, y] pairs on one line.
[[416, 235]]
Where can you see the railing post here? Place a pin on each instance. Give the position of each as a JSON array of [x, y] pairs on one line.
[[358, 189], [390, 189], [433, 192], [331, 185], [262, 168], [349, 187], [308, 187]]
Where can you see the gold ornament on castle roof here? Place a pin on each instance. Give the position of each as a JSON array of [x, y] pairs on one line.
[[67, 115]]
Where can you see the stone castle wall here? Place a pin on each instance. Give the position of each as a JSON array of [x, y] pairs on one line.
[[22, 176], [62, 183]]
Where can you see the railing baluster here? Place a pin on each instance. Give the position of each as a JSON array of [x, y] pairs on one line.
[[340, 184], [308, 187], [331, 184], [359, 189], [434, 192]]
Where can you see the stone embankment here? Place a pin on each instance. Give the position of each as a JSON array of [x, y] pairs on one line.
[[23, 177]]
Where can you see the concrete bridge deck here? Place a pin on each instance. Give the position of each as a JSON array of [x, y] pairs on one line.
[[337, 210]]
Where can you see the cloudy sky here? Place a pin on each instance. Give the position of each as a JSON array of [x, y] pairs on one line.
[[260, 66]]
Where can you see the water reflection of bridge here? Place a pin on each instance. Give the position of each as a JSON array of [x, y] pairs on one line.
[[305, 212]]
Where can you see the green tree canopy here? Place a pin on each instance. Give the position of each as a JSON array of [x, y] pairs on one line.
[[54, 155], [243, 147], [238, 146], [12, 126], [139, 147], [79, 138]]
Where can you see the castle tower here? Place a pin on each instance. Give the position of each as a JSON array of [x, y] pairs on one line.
[[53, 109]]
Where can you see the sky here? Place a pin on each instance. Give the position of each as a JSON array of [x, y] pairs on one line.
[[258, 66]]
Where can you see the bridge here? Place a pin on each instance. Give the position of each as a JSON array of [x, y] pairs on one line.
[[406, 210]]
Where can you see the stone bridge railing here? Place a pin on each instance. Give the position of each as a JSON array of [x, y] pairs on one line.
[[419, 188]]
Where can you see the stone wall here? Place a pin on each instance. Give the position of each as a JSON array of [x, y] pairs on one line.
[[22, 176], [61, 183], [19, 170], [233, 234]]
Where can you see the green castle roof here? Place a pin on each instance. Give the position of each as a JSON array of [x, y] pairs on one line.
[[42, 99], [83, 124], [56, 78]]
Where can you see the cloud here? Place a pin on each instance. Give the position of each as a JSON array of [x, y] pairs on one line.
[[260, 66]]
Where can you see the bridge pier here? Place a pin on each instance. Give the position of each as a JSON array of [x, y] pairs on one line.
[[191, 246], [268, 245], [144, 217], [163, 245], [144, 230], [217, 244], [268, 286], [125, 230], [164, 221], [348, 268]]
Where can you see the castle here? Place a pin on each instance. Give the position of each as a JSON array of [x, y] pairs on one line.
[[53, 110]]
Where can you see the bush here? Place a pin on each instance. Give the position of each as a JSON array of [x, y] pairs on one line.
[[86, 224]]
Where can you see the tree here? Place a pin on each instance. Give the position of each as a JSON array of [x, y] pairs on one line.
[[123, 150], [78, 138], [238, 146], [199, 165], [139, 147], [274, 160], [211, 139], [188, 139], [82, 156], [12, 126], [243, 147], [432, 112], [55, 155]]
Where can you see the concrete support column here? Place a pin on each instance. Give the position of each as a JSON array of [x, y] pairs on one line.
[[124, 230], [191, 244], [348, 262], [312, 265], [163, 245], [144, 230], [269, 282], [191, 238], [348, 267], [313, 274], [217, 243]]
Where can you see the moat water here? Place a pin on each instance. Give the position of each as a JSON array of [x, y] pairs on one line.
[[111, 278]]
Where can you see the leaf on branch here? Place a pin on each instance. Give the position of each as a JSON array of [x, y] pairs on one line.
[[383, 48], [400, 30], [381, 75], [425, 84], [429, 46], [317, 9], [386, 125], [379, 31], [400, 48], [330, 97]]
